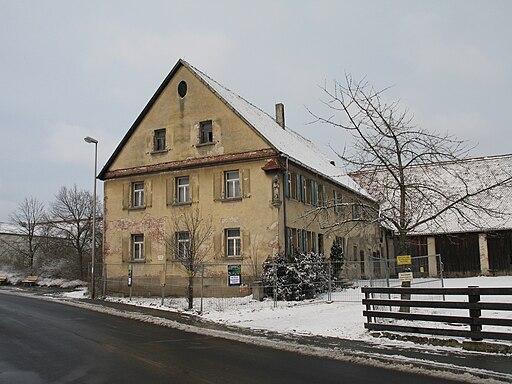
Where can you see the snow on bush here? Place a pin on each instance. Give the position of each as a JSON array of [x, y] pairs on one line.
[[298, 277]]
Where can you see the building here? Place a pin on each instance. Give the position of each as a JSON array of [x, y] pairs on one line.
[[469, 241], [266, 189]]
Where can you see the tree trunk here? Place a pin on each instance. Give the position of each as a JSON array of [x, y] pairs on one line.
[[190, 292]]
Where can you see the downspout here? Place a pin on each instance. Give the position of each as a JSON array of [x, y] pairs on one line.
[[285, 180]]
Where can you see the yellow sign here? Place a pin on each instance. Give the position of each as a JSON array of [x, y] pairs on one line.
[[403, 260]]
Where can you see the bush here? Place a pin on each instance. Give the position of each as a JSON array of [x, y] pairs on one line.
[[299, 277]]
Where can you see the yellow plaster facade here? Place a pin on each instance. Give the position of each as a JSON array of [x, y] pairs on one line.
[[197, 151]]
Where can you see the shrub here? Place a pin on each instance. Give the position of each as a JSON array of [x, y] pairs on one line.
[[299, 277]]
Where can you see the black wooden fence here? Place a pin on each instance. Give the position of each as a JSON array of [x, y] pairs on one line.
[[394, 308]]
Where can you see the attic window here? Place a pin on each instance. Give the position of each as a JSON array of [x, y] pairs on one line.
[[182, 88], [205, 132]]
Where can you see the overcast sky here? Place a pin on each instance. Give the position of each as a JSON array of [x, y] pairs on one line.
[[71, 69]]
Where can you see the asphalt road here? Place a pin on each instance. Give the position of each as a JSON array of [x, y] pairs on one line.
[[50, 342]]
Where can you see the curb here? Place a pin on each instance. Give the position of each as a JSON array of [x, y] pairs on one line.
[[475, 346]]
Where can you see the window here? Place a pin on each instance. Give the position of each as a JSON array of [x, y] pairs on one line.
[[314, 193], [183, 190], [356, 211], [182, 89], [232, 179], [183, 245], [159, 140], [138, 194], [205, 132], [299, 187], [289, 241], [233, 242], [138, 247], [287, 185], [293, 186], [338, 202]]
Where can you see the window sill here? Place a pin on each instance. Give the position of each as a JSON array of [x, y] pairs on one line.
[[233, 258], [206, 144], [230, 199], [138, 208], [159, 152], [184, 204], [137, 261]]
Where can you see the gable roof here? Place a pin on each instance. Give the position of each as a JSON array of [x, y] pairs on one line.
[[285, 141], [454, 179]]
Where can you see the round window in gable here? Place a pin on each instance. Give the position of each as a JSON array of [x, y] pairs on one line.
[[182, 89]]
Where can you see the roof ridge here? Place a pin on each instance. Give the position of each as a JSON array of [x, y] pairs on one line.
[[288, 129]]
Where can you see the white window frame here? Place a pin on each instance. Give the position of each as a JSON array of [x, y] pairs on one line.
[[138, 194], [232, 184], [183, 190], [138, 246], [182, 244], [233, 242]]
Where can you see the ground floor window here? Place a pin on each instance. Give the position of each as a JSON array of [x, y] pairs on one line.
[[138, 247], [233, 242]]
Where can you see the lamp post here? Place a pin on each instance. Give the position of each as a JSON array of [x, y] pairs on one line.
[[90, 140]]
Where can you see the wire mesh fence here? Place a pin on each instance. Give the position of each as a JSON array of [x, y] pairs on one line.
[[224, 285]]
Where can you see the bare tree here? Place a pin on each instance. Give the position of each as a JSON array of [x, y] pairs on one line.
[[29, 218], [404, 166], [190, 243], [71, 217]]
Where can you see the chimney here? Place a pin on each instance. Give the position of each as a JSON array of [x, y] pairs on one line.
[[280, 114]]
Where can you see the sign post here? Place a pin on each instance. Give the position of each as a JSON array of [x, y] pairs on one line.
[[405, 278], [130, 281]]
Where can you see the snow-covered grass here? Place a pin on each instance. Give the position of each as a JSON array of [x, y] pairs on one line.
[[15, 278], [342, 319]]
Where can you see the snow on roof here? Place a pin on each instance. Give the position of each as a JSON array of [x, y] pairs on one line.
[[452, 180], [11, 229], [286, 141]]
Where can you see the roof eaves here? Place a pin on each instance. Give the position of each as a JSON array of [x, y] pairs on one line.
[[141, 116]]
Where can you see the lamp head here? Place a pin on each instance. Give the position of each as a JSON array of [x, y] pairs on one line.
[[89, 139]]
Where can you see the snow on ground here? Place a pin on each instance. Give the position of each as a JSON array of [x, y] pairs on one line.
[[341, 319]]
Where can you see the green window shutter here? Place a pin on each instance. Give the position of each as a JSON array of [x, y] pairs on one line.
[[289, 241], [314, 193]]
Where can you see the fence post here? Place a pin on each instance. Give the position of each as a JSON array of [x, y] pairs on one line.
[[368, 306], [104, 280], [329, 292], [405, 297], [202, 287], [475, 313], [130, 280], [275, 286]]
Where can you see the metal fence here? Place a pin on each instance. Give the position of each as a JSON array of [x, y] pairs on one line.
[[224, 285]]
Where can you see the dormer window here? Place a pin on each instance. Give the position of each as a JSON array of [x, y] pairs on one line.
[[205, 132]]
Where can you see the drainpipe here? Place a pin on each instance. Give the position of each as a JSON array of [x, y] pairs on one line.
[[285, 185]]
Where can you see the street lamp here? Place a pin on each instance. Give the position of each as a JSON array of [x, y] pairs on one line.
[[90, 140]]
